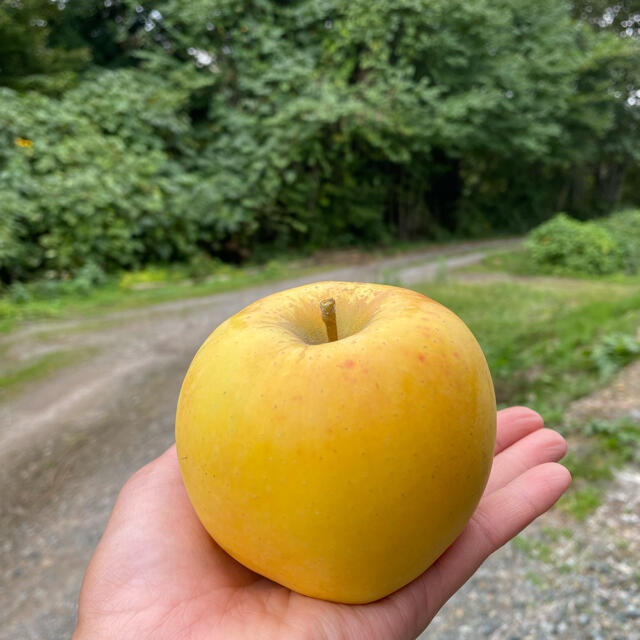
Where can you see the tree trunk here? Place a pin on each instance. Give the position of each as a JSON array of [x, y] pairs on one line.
[[578, 189], [609, 180], [445, 189], [563, 195]]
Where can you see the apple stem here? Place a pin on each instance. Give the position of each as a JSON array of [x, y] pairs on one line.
[[328, 309]]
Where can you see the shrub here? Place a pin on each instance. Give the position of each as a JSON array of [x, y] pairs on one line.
[[87, 277], [625, 229], [87, 182], [564, 245]]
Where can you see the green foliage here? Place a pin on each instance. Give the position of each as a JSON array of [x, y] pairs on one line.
[[85, 281], [621, 436], [602, 447], [614, 351], [581, 502], [26, 53], [200, 267], [564, 245], [134, 135], [89, 179], [625, 229], [338, 122], [538, 337], [149, 276]]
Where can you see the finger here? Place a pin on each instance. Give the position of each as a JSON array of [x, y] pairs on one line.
[[499, 517], [165, 466], [161, 478], [155, 498], [543, 445], [158, 481], [515, 423]]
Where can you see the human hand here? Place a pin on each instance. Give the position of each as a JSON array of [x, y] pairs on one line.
[[157, 573]]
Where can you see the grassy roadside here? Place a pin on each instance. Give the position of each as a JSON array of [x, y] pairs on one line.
[[517, 263], [138, 289], [549, 341], [542, 341], [58, 300], [155, 284]]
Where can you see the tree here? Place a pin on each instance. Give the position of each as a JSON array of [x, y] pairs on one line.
[[377, 111], [604, 120], [622, 16], [243, 128], [25, 50]]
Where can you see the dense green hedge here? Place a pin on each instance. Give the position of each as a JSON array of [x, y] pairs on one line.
[[625, 229], [88, 178], [564, 245]]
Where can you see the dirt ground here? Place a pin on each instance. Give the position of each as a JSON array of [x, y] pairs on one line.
[[69, 442]]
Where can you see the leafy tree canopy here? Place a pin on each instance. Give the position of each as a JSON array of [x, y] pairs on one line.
[[137, 133]]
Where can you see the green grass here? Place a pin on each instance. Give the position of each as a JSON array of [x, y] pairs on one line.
[[538, 338], [146, 287], [517, 262], [617, 443], [13, 381], [514, 261], [582, 501], [543, 342]]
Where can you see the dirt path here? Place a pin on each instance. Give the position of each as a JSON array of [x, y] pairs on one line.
[[68, 443]]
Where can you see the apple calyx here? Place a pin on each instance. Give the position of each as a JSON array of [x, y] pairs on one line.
[[328, 310]]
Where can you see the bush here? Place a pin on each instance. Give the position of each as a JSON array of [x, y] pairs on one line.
[[87, 278], [564, 245], [88, 184], [625, 229]]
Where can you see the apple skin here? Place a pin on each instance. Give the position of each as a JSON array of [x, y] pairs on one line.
[[341, 470]]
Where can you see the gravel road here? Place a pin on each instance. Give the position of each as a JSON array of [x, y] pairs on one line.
[[68, 443]]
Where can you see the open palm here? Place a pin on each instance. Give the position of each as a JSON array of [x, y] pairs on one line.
[[157, 574]]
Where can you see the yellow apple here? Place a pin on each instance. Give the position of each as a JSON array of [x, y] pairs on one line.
[[340, 469]]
